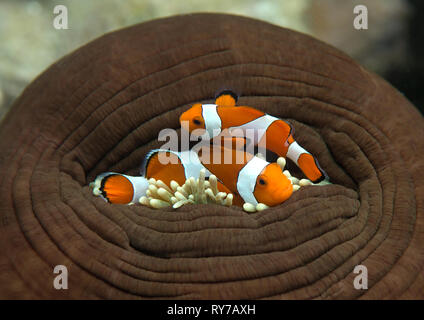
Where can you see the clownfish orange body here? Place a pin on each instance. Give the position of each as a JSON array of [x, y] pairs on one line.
[[274, 134], [248, 177]]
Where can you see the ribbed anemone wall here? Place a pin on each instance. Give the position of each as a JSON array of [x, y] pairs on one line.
[[101, 108]]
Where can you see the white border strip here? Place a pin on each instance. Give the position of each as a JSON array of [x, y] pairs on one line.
[[213, 123]]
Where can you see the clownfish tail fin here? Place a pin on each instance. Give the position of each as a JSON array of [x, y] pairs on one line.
[[311, 168], [119, 188], [306, 162], [324, 175], [226, 98], [96, 185]]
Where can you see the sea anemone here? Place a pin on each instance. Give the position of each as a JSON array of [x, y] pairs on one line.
[[127, 86]]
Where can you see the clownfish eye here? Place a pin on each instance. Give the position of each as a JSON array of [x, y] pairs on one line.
[[197, 122], [262, 182]]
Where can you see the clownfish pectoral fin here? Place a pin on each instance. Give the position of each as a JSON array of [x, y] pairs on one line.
[[226, 98], [118, 188]]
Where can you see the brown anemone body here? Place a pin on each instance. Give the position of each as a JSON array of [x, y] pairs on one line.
[[101, 108]]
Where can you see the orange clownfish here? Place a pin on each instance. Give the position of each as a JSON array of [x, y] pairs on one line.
[[272, 133], [249, 177]]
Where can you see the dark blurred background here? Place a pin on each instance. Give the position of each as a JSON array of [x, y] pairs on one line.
[[410, 79], [391, 46]]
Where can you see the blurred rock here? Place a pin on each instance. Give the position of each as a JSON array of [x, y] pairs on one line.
[[378, 48]]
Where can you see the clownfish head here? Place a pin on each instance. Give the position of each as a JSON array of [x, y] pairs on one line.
[[192, 119], [202, 120], [272, 186]]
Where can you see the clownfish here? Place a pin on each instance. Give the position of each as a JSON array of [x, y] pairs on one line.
[[272, 133], [165, 165], [249, 177]]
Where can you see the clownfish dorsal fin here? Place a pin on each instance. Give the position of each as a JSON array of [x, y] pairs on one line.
[[226, 98]]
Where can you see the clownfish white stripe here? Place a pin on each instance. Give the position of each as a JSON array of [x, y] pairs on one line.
[[140, 185], [247, 179], [191, 163], [212, 120], [294, 151]]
